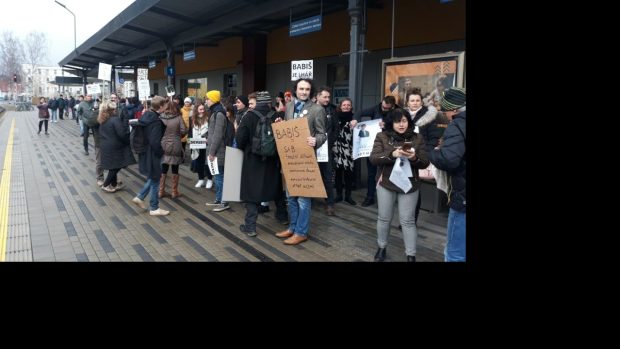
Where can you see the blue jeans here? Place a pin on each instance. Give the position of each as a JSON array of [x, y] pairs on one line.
[[299, 211], [372, 183], [151, 186], [456, 244], [219, 184]]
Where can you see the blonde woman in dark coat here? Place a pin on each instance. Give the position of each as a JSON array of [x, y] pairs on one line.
[[114, 142], [173, 149]]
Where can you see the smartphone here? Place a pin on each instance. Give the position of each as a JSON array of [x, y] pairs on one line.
[[407, 146]]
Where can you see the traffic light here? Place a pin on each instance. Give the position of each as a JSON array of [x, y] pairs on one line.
[[14, 77]]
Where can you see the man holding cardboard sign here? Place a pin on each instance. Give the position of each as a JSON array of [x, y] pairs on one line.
[[297, 141]]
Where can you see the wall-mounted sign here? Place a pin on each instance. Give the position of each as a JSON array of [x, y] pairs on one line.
[[301, 69], [105, 71], [306, 25], [189, 55], [170, 71], [152, 64]]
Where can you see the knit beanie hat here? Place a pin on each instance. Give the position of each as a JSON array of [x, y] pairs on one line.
[[214, 96], [453, 98], [187, 100], [263, 97], [244, 100]]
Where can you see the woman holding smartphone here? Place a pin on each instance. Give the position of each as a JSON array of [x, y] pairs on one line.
[[397, 145]]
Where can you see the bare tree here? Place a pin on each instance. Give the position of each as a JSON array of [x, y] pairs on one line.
[[35, 51], [11, 57]]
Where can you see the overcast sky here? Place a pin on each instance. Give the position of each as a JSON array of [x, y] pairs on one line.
[[24, 16]]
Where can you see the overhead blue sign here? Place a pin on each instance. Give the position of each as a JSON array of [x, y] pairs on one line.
[[306, 25], [189, 55], [121, 81], [152, 64], [170, 71]]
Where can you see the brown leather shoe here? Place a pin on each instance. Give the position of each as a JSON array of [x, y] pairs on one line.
[[295, 239], [284, 234], [330, 211]]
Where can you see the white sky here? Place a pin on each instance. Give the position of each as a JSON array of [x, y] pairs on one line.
[[24, 16]]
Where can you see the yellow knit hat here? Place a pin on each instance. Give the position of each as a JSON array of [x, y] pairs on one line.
[[214, 96]]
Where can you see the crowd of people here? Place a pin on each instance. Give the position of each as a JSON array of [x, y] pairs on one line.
[[412, 137]]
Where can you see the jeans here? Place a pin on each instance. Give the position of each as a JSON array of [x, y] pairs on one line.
[[219, 184], [81, 126], [54, 115], [152, 186], [372, 183], [456, 241], [406, 206], [251, 214], [328, 181], [299, 211]]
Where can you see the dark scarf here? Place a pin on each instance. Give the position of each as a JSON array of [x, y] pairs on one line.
[[399, 138], [344, 117]]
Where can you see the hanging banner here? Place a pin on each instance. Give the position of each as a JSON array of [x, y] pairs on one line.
[[301, 69], [189, 55], [105, 71], [299, 164]]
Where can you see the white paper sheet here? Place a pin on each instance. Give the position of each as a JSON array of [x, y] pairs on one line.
[[215, 170], [400, 174]]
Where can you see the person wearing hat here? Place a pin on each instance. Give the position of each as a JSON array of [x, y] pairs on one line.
[[259, 175], [217, 140], [186, 114], [450, 156]]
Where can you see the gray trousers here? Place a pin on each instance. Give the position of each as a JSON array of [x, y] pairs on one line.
[[406, 212]]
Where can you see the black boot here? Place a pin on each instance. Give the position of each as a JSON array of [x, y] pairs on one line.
[[380, 255], [349, 200], [411, 259], [338, 197]]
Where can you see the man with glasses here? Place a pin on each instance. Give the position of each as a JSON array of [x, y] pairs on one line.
[[377, 112]]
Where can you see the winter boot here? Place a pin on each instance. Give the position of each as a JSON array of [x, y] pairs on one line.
[[175, 186], [162, 186]]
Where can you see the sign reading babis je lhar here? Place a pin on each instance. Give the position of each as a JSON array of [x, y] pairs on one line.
[[301, 69]]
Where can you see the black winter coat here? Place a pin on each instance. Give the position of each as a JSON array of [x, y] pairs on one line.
[[150, 160], [259, 179], [114, 143], [451, 158]]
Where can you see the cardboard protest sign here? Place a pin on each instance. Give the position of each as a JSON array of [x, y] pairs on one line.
[[299, 165]]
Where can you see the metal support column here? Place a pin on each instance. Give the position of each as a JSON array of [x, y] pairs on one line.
[[355, 11], [170, 60]]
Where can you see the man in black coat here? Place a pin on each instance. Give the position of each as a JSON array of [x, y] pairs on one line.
[[323, 98], [259, 175]]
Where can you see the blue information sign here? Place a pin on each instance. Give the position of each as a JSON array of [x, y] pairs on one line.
[[170, 71], [306, 25], [189, 55]]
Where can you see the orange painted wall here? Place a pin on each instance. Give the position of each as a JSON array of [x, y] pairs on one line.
[[225, 55], [416, 22]]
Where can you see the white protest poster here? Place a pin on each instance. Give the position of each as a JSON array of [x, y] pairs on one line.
[[364, 137], [144, 89], [301, 69], [198, 143], [215, 170], [321, 153], [105, 71], [94, 89], [232, 175], [401, 173], [143, 74]]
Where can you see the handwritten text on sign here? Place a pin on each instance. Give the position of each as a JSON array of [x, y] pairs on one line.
[[301, 171]]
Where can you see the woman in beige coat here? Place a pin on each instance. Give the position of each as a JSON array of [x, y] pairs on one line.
[[173, 150]]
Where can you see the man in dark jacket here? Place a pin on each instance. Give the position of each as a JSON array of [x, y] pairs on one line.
[[89, 110], [61, 107], [150, 160], [377, 112], [450, 156], [331, 127], [259, 175]]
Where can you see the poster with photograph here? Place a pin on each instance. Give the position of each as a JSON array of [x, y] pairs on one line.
[[364, 135], [432, 74]]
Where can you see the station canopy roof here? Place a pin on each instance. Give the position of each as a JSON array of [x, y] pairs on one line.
[[137, 34]]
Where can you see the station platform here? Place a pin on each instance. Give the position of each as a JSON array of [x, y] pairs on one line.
[[51, 209]]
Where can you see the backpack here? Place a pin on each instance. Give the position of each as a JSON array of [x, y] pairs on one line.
[[91, 119], [263, 142], [137, 139]]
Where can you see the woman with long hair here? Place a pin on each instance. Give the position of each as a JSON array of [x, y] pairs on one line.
[[173, 150]]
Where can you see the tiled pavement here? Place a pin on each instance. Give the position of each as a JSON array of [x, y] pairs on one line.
[[57, 213]]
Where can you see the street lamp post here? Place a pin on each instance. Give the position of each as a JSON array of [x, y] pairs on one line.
[[74, 33]]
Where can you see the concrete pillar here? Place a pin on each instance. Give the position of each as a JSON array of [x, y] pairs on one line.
[[254, 63]]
